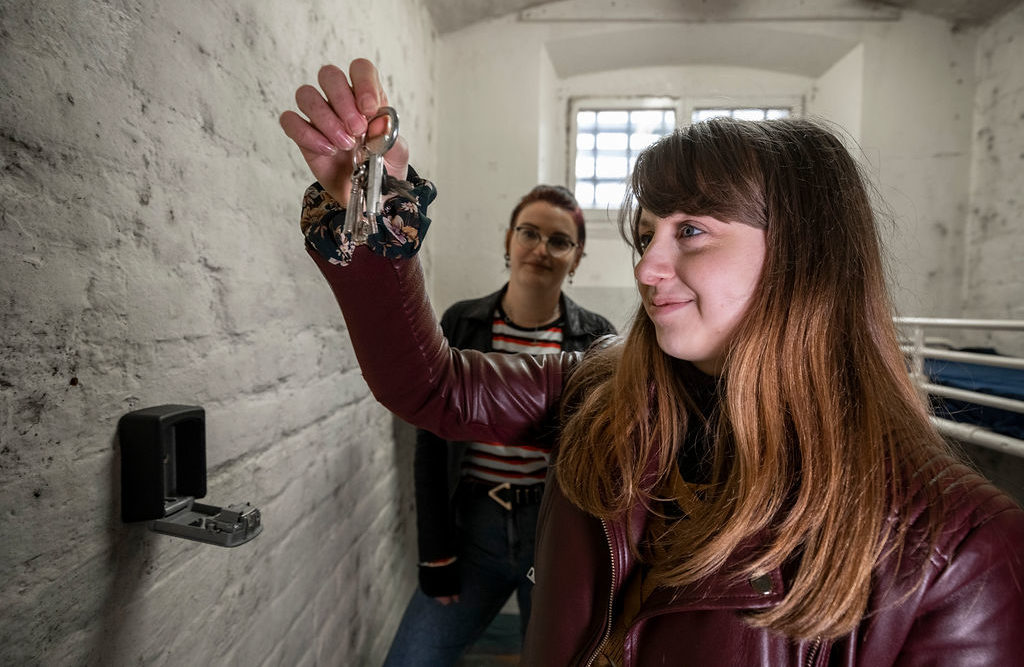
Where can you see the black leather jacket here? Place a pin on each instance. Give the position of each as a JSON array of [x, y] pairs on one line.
[[467, 325]]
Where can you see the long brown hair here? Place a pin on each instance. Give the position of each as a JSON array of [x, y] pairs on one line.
[[818, 429]]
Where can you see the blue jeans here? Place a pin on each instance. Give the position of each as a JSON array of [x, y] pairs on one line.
[[495, 553]]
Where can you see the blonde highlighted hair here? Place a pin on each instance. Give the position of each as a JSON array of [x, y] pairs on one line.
[[818, 429]]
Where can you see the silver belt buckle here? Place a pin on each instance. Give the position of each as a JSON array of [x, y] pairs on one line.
[[494, 491]]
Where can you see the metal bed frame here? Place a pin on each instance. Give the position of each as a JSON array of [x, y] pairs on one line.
[[920, 348]]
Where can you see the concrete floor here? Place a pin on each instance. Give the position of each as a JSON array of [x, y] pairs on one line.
[[499, 644]]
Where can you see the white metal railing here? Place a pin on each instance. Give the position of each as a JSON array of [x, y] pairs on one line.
[[918, 349]]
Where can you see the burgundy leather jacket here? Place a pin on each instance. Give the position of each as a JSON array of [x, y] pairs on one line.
[[967, 610]]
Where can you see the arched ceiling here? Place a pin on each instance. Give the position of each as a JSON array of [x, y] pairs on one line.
[[719, 44], [452, 15]]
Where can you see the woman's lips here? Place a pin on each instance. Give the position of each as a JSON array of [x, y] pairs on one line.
[[663, 307]]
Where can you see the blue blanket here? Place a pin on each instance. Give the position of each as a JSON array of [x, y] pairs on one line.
[[1005, 382]]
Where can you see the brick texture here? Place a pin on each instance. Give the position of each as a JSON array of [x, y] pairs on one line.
[[149, 232]]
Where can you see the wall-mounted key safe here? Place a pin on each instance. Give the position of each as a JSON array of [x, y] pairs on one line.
[[163, 471]]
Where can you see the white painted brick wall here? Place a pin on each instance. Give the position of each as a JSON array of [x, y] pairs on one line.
[[151, 254]]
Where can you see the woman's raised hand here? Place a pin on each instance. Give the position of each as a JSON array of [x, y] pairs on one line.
[[337, 118]]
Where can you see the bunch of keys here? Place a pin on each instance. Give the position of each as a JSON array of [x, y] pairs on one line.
[[368, 175]]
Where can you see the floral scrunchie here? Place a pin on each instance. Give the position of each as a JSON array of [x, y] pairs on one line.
[[399, 227]]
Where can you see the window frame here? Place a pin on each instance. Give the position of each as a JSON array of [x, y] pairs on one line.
[[606, 103], [684, 108], [795, 103]]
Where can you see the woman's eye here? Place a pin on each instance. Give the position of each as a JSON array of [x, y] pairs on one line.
[[643, 240], [686, 231]]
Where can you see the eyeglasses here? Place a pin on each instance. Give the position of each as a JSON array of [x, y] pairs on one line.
[[558, 245]]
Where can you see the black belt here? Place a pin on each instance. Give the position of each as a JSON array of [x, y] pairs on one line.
[[506, 494]]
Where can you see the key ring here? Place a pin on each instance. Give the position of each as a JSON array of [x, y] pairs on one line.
[[368, 177], [382, 143]]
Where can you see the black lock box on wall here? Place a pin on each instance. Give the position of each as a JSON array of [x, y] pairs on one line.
[[163, 472]]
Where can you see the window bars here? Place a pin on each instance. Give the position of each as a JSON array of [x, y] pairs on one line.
[[607, 143]]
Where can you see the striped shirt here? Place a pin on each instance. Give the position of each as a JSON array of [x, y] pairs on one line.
[[518, 464]]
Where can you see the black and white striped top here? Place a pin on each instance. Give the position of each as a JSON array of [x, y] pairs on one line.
[[510, 462]]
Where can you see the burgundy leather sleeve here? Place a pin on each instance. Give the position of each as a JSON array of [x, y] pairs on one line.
[[411, 370]]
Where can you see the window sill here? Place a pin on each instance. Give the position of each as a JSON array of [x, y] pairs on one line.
[[602, 223]]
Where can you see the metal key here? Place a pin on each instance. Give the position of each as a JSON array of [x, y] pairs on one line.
[[354, 223], [368, 176], [376, 147]]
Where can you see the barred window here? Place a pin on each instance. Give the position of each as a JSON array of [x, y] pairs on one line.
[[607, 134], [607, 143]]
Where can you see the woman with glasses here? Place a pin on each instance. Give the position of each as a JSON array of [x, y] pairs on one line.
[[477, 502]]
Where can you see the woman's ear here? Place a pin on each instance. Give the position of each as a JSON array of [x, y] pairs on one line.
[[579, 256]]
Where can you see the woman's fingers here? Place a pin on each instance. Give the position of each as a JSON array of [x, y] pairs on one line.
[[366, 87], [341, 99], [323, 117], [335, 121], [339, 114], [329, 165], [304, 135], [397, 159]]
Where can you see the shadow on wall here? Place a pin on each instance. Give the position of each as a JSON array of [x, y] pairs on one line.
[[405, 449], [129, 554]]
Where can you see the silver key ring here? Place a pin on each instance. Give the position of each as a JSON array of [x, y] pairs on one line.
[[382, 143], [368, 177]]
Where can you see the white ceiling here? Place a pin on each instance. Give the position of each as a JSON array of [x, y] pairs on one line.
[[451, 15], [719, 44]]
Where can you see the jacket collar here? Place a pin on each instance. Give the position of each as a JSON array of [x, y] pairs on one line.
[[483, 309], [719, 591]]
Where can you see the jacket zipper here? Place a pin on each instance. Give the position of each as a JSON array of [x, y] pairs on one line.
[[611, 598], [812, 652]]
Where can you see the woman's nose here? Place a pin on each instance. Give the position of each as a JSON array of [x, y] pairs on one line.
[[542, 247], [654, 265]]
